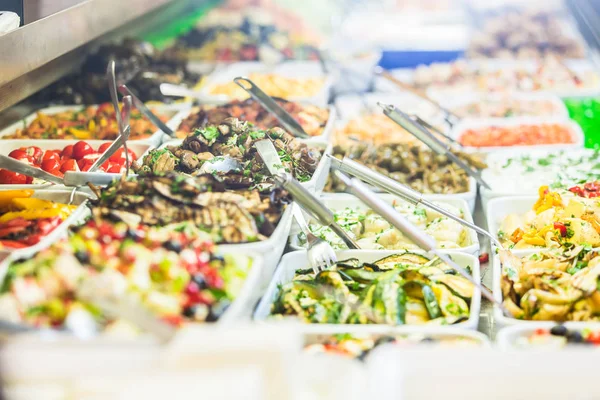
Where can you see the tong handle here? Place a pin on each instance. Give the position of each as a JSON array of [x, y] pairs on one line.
[[271, 106], [146, 111]]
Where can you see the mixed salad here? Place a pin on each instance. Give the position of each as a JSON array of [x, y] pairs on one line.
[[524, 173], [554, 285], [177, 276], [521, 135], [92, 122], [557, 219], [25, 220], [373, 128], [371, 231], [273, 85], [558, 336], [506, 106], [405, 288]]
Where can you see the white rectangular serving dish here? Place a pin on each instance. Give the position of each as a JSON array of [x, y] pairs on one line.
[[8, 145], [324, 137], [339, 201], [292, 69], [171, 110], [77, 216], [507, 337], [510, 186], [501, 207], [464, 99], [298, 260], [459, 130]]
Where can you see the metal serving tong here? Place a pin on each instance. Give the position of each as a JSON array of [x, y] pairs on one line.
[[430, 140], [22, 168], [303, 197], [415, 234], [451, 118], [389, 185], [146, 111], [267, 102]]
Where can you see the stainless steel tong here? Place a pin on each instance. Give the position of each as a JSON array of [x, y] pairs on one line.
[[146, 111], [391, 186], [22, 168], [415, 234], [267, 102], [430, 140]]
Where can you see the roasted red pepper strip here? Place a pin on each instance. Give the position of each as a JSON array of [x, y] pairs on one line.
[[561, 228]]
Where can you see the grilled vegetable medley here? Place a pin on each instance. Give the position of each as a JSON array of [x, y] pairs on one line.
[[555, 285], [558, 336], [175, 275], [404, 288], [371, 231], [233, 141], [228, 216]]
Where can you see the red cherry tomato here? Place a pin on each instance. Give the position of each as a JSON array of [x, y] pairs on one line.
[[120, 155], [50, 155], [21, 156], [67, 151], [561, 228], [103, 147], [86, 165], [35, 153], [14, 178], [81, 149], [50, 164], [114, 168], [69, 165], [594, 337]]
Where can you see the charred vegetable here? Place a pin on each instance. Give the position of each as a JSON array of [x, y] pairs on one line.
[[396, 290], [228, 216]]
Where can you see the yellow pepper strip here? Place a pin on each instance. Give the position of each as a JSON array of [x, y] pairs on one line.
[[92, 126], [34, 214], [547, 200], [534, 240], [20, 204], [80, 133], [6, 197]]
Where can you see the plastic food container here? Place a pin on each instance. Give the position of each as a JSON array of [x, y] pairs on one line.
[[576, 133], [339, 201], [76, 217], [507, 337], [324, 137], [6, 146], [298, 260], [170, 110], [291, 69]]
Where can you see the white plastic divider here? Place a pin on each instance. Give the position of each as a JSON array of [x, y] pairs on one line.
[[298, 260], [339, 201], [291, 69], [466, 124], [170, 110]]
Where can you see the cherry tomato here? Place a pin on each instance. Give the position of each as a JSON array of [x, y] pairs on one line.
[[50, 155], [14, 178], [21, 156], [561, 228], [541, 331], [483, 258], [594, 337], [69, 165], [50, 164], [81, 149], [114, 168], [67, 151], [35, 152], [86, 165], [120, 155], [103, 147]]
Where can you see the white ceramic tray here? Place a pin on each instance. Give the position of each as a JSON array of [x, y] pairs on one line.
[[507, 337], [339, 201], [77, 216], [324, 137], [459, 129], [171, 110], [8, 145], [528, 183], [292, 69], [499, 208], [298, 260], [464, 99]]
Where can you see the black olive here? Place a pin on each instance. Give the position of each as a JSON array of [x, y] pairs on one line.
[[216, 310], [133, 234], [363, 355], [198, 279], [559, 330], [384, 340], [217, 258], [574, 337], [173, 245], [427, 340], [189, 312], [82, 256]]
